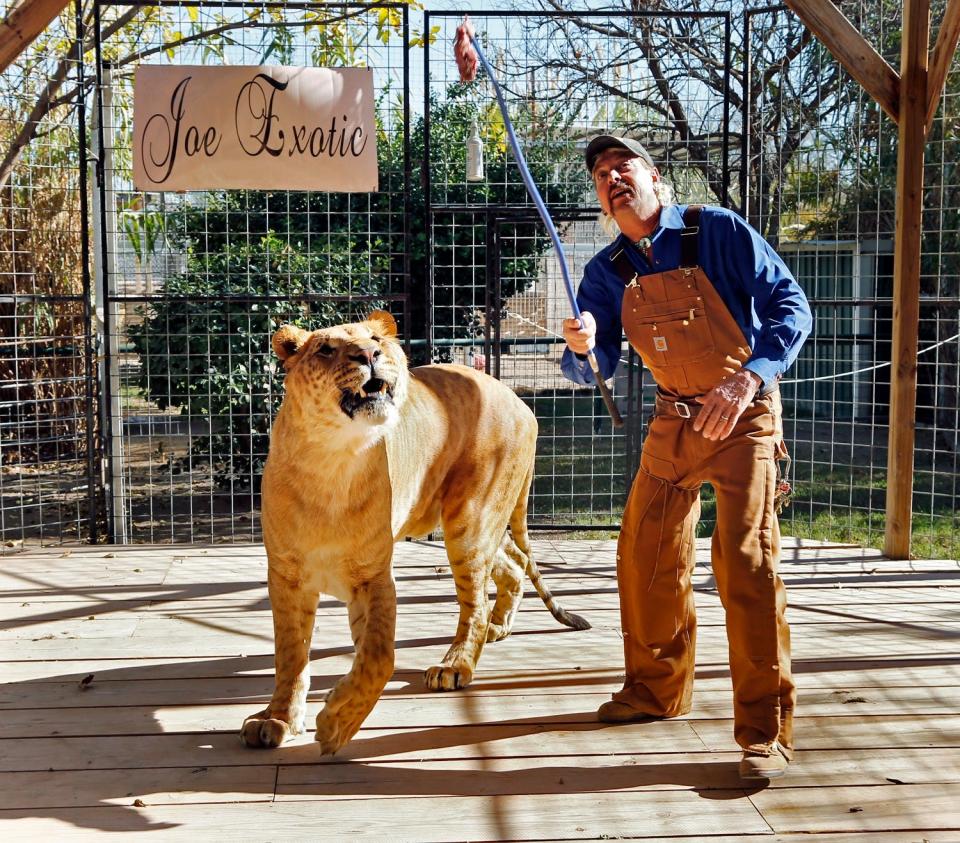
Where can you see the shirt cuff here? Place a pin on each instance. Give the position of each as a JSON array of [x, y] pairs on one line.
[[576, 369], [766, 369]]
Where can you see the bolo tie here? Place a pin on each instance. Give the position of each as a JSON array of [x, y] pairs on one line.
[[645, 245]]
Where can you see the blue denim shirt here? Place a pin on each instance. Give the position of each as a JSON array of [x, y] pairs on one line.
[[751, 278]]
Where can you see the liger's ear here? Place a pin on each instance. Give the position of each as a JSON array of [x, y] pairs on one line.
[[288, 340], [384, 321]]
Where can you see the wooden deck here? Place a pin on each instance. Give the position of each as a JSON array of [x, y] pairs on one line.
[[127, 673]]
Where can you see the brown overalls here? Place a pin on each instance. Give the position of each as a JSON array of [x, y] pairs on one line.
[[687, 338]]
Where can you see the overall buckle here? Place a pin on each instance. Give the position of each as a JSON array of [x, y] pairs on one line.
[[682, 409]]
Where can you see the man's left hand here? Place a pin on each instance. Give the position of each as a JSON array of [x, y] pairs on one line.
[[724, 404]]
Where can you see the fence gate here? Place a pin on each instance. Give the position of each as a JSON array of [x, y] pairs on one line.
[[191, 286], [495, 283]]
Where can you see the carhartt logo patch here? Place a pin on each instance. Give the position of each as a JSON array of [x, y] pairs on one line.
[[660, 343]]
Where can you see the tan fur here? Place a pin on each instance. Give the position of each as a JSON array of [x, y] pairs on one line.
[[438, 445]]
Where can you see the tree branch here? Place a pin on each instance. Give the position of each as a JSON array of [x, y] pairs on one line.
[[40, 110]]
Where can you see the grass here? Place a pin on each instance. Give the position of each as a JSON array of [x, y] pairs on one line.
[[581, 479]]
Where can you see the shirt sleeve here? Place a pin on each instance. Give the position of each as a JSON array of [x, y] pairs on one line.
[[594, 298], [778, 300]]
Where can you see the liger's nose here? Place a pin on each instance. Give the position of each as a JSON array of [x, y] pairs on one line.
[[365, 355]]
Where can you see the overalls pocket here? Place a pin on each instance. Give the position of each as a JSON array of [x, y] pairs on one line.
[[673, 332]]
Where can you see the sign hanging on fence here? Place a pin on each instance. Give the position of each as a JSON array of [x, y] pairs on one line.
[[261, 128]]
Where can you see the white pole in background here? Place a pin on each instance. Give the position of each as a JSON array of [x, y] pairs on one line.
[[105, 297]]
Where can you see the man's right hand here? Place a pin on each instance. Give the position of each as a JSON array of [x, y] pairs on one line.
[[580, 340]]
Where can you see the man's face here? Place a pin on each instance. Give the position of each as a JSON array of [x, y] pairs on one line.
[[624, 183]]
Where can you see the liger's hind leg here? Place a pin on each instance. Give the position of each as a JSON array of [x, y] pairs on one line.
[[471, 560], [508, 576]]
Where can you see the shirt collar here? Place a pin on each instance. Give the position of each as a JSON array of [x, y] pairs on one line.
[[671, 217]]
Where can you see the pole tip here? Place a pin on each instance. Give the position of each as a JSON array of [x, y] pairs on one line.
[[464, 52]]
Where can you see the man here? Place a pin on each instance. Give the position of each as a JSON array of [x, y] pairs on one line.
[[717, 318]]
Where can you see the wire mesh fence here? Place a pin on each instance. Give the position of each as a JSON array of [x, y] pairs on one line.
[[48, 488], [196, 283], [135, 404], [823, 191], [495, 280]]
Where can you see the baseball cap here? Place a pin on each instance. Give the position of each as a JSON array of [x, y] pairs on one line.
[[601, 143]]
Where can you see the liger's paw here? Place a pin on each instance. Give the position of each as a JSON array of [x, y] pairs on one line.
[[497, 632], [448, 677], [261, 730], [334, 730]]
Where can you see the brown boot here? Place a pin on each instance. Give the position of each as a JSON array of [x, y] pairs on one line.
[[617, 712], [764, 762]]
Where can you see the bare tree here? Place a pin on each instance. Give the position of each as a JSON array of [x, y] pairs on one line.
[[671, 80]]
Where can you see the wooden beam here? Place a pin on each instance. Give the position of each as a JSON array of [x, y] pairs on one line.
[[906, 276], [851, 49], [942, 57], [24, 24]]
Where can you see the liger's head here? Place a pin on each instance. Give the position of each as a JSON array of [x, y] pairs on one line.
[[348, 375]]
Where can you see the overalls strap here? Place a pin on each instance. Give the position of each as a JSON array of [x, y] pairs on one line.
[[690, 237]]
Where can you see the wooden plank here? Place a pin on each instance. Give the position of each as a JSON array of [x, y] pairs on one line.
[[552, 647], [942, 57], [175, 667], [914, 738], [88, 626], [653, 814], [815, 673], [828, 732], [201, 713], [218, 749], [160, 786], [702, 771], [853, 606], [836, 810], [906, 277], [143, 688], [850, 48]]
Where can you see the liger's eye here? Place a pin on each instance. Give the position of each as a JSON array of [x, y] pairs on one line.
[[325, 350]]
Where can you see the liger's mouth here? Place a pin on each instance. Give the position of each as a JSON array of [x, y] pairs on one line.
[[374, 392]]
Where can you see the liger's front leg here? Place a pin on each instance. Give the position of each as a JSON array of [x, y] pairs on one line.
[[373, 619], [294, 612]]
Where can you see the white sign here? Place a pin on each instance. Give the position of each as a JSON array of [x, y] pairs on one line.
[[262, 128]]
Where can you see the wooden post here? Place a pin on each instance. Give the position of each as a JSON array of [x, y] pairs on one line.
[[906, 276], [942, 57], [859, 59], [24, 24]]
